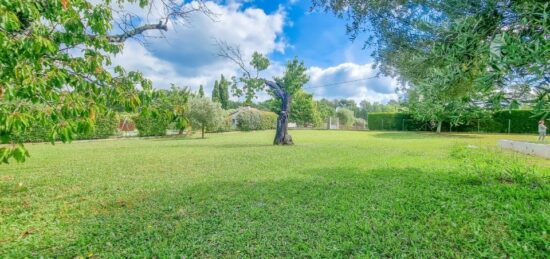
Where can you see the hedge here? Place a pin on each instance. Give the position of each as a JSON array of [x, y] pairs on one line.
[[394, 121], [521, 121], [105, 126], [148, 125], [256, 120], [268, 120], [248, 120], [35, 133]]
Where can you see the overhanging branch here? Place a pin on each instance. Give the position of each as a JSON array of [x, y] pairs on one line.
[[137, 31]]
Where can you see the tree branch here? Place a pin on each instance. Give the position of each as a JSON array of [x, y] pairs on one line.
[[173, 11], [137, 31], [277, 89], [234, 54]]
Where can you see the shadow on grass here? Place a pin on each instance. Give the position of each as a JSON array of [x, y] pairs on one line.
[[244, 145], [325, 212], [422, 135], [403, 135], [172, 138]]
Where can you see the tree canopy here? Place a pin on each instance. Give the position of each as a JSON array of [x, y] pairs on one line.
[[55, 66], [456, 49], [205, 114]]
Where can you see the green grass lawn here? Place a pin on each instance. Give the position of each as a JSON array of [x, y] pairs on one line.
[[333, 194]]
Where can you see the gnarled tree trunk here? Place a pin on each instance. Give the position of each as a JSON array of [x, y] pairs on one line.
[[281, 135]]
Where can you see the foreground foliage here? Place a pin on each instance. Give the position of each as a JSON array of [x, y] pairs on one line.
[[338, 194], [457, 56], [42, 82]]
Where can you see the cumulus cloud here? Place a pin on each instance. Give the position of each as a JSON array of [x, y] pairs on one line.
[[352, 81], [186, 54]]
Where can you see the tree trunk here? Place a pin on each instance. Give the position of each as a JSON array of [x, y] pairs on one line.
[[202, 130], [439, 126], [181, 131], [281, 135]]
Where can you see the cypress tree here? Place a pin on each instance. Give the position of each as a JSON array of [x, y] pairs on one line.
[[223, 90], [216, 92], [201, 91]]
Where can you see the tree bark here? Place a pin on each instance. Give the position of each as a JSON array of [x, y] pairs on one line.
[[281, 134], [439, 126]]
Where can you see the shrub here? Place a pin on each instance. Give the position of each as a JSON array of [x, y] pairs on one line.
[[256, 120], [151, 125], [268, 120], [521, 121], [345, 117], [249, 120], [391, 121], [34, 133], [360, 123], [105, 126]]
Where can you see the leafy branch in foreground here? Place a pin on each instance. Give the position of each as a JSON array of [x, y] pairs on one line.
[[55, 67]]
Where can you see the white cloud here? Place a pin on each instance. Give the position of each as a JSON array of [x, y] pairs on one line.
[[186, 55], [350, 80]]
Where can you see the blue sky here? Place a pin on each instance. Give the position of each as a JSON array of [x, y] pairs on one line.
[[186, 54], [318, 38]]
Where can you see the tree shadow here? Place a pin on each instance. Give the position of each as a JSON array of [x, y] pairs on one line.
[[172, 138], [403, 135], [323, 212], [422, 135]]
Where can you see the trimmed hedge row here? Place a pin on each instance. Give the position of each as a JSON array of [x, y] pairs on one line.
[[520, 121], [256, 120], [104, 127]]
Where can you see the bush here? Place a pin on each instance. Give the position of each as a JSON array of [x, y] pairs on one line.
[[268, 120], [35, 133], [360, 123], [249, 120], [105, 126], [345, 117], [391, 121], [151, 125], [256, 120], [225, 126], [521, 121]]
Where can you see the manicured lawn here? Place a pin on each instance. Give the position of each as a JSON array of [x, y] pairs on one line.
[[334, 194]]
